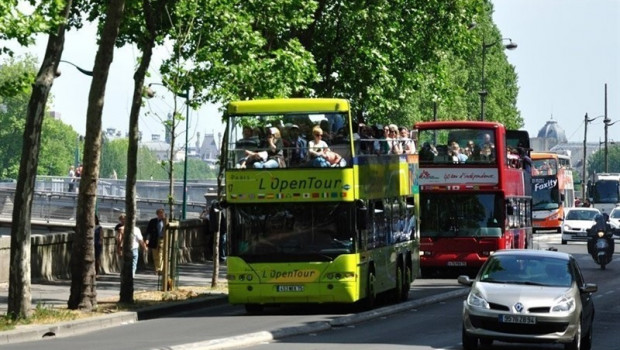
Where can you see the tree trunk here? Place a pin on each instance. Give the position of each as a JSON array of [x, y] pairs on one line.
[[20, 298], [83, 284], [126, 292]]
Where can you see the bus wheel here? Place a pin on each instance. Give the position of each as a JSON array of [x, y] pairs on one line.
[[254, 308], [399, 286], [406, 283], [371, 292]]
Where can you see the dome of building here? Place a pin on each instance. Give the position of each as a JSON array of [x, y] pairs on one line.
[[554, 131]]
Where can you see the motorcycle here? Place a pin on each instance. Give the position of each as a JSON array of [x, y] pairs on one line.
[[600, 241]]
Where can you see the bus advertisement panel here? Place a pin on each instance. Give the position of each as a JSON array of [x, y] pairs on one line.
[[474, 193], [552, 190], [302, 230]]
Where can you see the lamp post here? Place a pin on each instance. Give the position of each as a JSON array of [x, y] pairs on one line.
[[184, 209], [607, 123], [585, 136], [483, 92], [185, 95]]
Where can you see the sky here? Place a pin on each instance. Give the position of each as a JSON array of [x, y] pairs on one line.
[[567, 51]]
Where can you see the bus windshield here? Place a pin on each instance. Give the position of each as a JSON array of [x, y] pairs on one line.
[[545, 194], [289, 139], [544, 167], [461, 215], [273, 232], [606, 192]]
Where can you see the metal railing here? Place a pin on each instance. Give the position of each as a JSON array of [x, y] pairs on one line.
[[54, 202]]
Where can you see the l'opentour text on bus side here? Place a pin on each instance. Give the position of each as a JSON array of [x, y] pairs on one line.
[[311, 217], [475, 195], [552, 190]]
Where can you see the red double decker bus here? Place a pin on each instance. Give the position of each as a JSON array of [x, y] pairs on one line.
[[475, 194]]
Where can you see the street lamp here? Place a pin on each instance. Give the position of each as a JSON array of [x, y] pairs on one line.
[[607, 124], [585, 136], [483, 92], [185, 95], [82, 70]]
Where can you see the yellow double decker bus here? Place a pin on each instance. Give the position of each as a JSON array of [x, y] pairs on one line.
[[341, 229]]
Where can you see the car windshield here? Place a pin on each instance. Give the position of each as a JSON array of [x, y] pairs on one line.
[[529, 270], [581, 215], [615, 214]]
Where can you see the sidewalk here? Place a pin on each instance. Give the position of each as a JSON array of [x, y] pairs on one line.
[[56, 293]]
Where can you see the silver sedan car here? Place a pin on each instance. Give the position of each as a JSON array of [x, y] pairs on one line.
[[528, 296]]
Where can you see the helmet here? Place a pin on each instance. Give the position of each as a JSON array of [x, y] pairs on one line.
[[599, 218]]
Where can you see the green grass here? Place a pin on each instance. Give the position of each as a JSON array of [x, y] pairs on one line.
[[40, 315]]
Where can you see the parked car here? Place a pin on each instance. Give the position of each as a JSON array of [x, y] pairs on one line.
[[528, 296], [614, 220], [576, 222]]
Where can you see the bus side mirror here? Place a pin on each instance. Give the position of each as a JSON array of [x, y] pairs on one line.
[[362, 218]]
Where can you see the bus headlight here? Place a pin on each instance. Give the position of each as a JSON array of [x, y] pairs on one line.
[[240, 277], [339, 275]]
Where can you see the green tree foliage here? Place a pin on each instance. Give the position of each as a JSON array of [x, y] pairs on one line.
[[396, 61], [596, 162], [57, 148], [57, 138]]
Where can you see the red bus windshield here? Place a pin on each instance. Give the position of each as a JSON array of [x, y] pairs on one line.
[[461, 215]]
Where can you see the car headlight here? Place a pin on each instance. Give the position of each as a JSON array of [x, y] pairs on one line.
[[476, 300], [564, 303], [566, 227]]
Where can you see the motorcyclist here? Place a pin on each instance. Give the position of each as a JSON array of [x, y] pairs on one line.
[[601, 224]]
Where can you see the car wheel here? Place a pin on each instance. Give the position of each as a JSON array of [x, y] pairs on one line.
[[563, 241], [576, 343], [469, 342], [586, 341]]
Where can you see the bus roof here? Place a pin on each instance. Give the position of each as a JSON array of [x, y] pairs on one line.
[[547, 155], [289, 105]]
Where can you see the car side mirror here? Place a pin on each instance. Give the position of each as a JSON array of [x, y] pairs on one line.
[[465, 280]]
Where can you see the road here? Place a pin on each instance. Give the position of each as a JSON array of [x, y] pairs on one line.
[[429, 327], [439, 326]]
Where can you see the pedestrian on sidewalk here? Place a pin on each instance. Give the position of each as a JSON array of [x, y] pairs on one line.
[[214, 211], [154, 239], [118, 230], [136, 243]]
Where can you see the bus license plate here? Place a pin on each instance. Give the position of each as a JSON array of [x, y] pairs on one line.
[[290, 288], [517, 319]]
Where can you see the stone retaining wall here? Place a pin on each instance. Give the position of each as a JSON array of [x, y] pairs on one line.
[[51, 252]]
